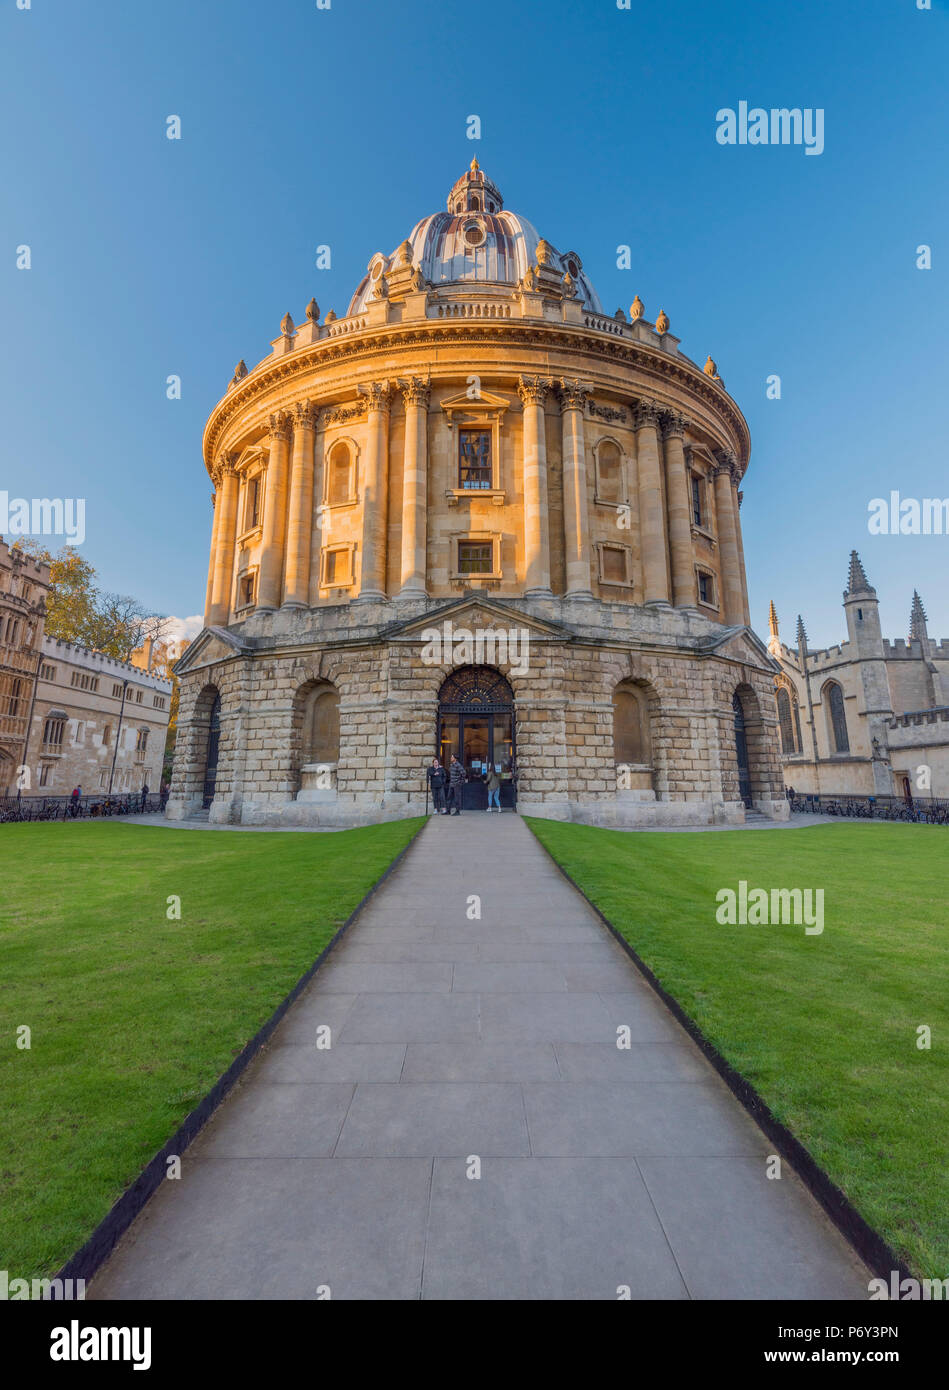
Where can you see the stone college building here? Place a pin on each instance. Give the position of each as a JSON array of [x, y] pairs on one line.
[[478, 515]]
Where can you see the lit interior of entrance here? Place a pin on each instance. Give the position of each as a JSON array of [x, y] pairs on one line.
[[476, 723]]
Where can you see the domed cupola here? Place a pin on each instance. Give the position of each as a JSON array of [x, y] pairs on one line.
[[475, 246]]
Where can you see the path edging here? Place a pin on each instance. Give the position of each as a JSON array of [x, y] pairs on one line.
[[868, 1243], [90, 1257]]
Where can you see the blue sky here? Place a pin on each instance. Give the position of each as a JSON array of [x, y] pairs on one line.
[[303, 126]]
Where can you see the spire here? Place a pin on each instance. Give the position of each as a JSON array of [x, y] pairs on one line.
[[801, 633], [917, 620], [773, 619], [857, 582]]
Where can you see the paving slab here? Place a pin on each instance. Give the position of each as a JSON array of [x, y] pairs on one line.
[[506, 1110]]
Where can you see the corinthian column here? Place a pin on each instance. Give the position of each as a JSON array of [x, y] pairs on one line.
[[225, 531], [296, 587], [726, 511], [651, 520], [741, 560], [207, 596], [275, 514], [375, 493], [576, 530], [533, 392], [679, 509], [416, 394]]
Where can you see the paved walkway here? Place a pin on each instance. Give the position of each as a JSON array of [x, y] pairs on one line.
[[494, 1038]]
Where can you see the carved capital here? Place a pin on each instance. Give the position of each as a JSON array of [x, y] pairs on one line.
[[727, 463], [415, 391], [305, 415], [280, 425], [533, 390], [378, 396], [645, 414], [674, 424], [573, 394]]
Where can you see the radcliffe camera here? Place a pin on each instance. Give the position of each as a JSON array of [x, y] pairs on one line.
[[524, 416]]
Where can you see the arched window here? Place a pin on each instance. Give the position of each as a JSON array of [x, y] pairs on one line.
[[631, 741], [321, 725], [786, 721], [836, 718], [339, 475], [609, 473]]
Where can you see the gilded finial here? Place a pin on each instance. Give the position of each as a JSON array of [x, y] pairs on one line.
[[474, 166], [637, 308]]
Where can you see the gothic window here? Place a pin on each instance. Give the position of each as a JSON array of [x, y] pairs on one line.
[[13, 699], [106, 735], [631, 744], [474, 459], [53, 731], [609, 473], [836, 718], [786, 722]]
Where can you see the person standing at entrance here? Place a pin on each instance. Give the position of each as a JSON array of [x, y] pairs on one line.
[[456, 780], [494, 789], [436, 781]]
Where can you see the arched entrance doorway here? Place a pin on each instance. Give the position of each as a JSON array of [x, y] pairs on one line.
[[214, 742], [741, 750], [476, 723]]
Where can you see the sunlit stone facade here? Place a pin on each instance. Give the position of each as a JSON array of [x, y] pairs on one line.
[[475, 442]]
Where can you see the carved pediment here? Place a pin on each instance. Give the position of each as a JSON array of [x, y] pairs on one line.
[[466, 409], [743, 645], [212, 645]]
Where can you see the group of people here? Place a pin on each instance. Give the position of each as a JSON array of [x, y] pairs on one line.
[[446, 785]]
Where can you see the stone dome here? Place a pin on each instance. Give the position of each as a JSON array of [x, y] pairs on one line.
[[473, 243]]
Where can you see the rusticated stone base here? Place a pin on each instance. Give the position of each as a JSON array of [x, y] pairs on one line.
[[687, 668]]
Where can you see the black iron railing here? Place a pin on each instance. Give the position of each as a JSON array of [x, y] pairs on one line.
[[30, 808], [923, 810]]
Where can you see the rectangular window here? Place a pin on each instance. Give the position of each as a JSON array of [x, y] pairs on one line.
[[245, 591], [75, 678], [47, 673], [252, 512], [138, 696], [158, 701], [706, 589], [474, 459], [45, 769], [337, 566], [614, 565], [13, 699], [53, 733], [697, 500], [106, 735], [475, 557], [94, 683], [117, 691]]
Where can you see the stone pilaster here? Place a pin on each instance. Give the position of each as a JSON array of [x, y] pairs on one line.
[[741, 559], [533, 393], [679, 509], [732, 606], [225, 536], [651, 518], [416, 395], [576, 526], [275, 514], [375, 493], [296, 587]]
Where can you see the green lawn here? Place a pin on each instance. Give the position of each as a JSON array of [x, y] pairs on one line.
[[135, 1016], [824, 1026]]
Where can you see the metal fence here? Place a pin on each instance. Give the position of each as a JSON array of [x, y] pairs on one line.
[[922, 810], [31, 808]]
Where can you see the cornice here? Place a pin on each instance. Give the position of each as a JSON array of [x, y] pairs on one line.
[[254, 389]]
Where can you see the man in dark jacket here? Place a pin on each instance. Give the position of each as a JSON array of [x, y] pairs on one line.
[[436, 781], [456, 780]]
